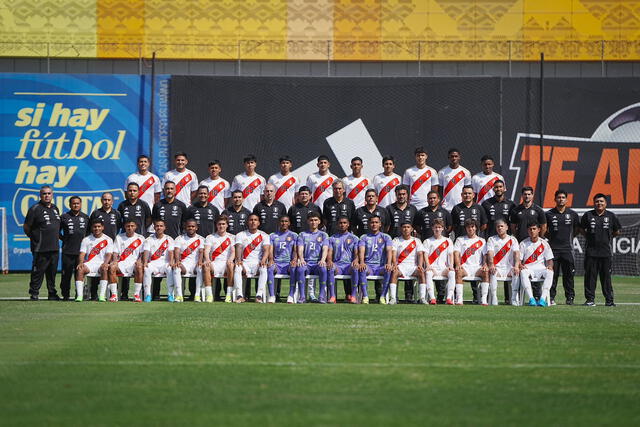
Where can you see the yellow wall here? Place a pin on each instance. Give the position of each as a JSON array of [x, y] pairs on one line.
[[321, 29]]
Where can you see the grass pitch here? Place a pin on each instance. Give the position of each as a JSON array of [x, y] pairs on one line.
[[196, 364]]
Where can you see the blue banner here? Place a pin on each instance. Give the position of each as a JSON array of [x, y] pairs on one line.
[[80, 134]]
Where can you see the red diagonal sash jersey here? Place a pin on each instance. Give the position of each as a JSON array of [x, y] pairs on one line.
[[534, 256], [388, 188], [183, 183], [454, 181], [433, 256], [220, 249], [486, 188], [216, 190], [130, 249], [189, 250], [284, 187], [321, 188], [145, 186], [357, 189], [249, 188], [251, 246], [502, 252], [160, 251], [406, 251], [423, 178], [470, 251], [97, 249]]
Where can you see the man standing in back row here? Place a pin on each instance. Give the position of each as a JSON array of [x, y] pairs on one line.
[[419, 179], [186, 180]]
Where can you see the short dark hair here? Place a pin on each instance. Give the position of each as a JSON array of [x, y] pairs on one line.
[[74, 198], [256, 215], [419, 150], [599, 196], [168, 182], [355, 159], [237, 191], [222, 218], [285, 158], [370, 190], [385, 158], [470, 221], [526, 188], [323, 157], [453, 150], [401, 187], [191, 220], [533, 224], [129, 220], [97, 221], [343, 217], [250, 158], [132, 184], [433, 192], [157, 220], [468, 186], [143, 156], [200, 187], [313, 215], [405, 221], [498, 181], [180, 153], [561, 191], [437, 221], [375, 216], [214, 162], [486, 157], [304, 188]]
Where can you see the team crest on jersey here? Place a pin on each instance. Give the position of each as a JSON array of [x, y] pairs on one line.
[[348, 241], [288, 238], [319, 239], [380, 240], [81, 219]]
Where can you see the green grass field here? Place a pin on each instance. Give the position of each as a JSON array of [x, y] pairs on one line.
[[226, 364]]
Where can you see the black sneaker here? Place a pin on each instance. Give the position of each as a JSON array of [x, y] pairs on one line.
[[34, 298], [66, 298], [54, 297], [610, 304], [589, 304], [569, 301]]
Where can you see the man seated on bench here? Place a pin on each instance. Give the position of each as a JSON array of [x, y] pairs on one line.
[[313, 248], [125, 260], [375, 251], [219, 256], [252, 258], [408, 256], [503, 260], [187, 260], [537, 265], [439, 260], [93, 259], [469, 255], [342, 259], [157, 258], [283, 258]]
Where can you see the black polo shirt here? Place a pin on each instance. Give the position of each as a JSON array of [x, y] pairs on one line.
[[237, 219], [496, 210], [397, 216], [269, 215], [362, 216], [423, 221], [298, 214], [332, 210], [172, 213], [140, 213], [522, 217], [111, 220], [560, 228], [73, 228], [205, 215], [460, 213], [43, 225], [599, 230]]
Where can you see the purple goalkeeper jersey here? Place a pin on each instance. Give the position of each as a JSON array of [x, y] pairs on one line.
[[344, 247], [375, 245], [283, 246], [313, 244]]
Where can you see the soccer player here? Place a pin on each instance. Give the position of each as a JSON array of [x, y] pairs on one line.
[[187, 259], [408, 255], [186, 180], [600, 227], [249, 183], [420, 179], [111, 218], [467, 209], [94, 257], [42, 226], [371, 208], [452, 178], [439, 261], [299, 211], [400, 211], [320, 182], [424, 218], [385, 183], [563, 223], [148, 183], [537, 263], [157, 258], [283, 259], [527, 213], [375, 252], [497, 207], [126, 258], [286, 183], [218, 188], [171, 210], [219, 256], [237, 213], [355, 184], [312, 247], [269, 210], [203, 212], [503, 260], [252, 258], [134, 208], [74, 225], [337, 206], [483, 182], [469, 256], [343, 259]]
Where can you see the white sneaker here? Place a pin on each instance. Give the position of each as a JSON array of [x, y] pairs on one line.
[[423, 300], [290, 300], [272, 299], [392, 301], [197, 298]]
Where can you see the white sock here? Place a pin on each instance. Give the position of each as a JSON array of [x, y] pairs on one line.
[[311, 286], [137, 288], [113, 288], [229, 290], [199, 281], [451, 286], [459, 293], [198, 287], [493, 291], [484, 289], [102, 288], [147, 282], [208, 292], [526, 285], [515, 291], [262, 282], [176, 281], [430, 290], [237, 281], [79, 288], [423, 290], [393, 291], [546, 286], [177, 285]]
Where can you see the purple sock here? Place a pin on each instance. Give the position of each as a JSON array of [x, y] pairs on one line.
[[332, 290]]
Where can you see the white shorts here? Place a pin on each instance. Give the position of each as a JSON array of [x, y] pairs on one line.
[[536, 273], [93, 266], [219, 268], [407, 271], [190, 265], [251, 268], [157, 268], [440, 273], [503, 273], [126, 267], [471, 270]]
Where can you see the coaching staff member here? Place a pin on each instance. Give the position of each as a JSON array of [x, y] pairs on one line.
[[42, 226], [73, 227], [600, 226]]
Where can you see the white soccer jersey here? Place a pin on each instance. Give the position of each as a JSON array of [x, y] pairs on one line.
[[407, 251], [128, 249], [253, 245], [437, 252], [483, 185], [96, 248], [220, 247], [385, 186], [159, 249], [186, 182], [252, 188], [189, 247], [286, 188], [355, 188], [534, 254], [472, 251], [420, 182], [452, 181], [320, 186], [219, 189], [503, 251], [149, 185]]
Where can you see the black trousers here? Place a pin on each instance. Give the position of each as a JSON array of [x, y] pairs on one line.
[[594, 267], [563, 262], [69, 264], [45, 265]]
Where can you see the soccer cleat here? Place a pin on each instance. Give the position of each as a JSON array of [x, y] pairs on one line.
[[209, 298], [179, 299], [258, 299], [348, 298], [423, 300], [393, 301], [240, 300], [553, 302], [170, 298], [228, 298], [147, 298], [459, 303], [78, 298], [532, 302], [484, 304], [114, 298], [272, 299], [542, 303], [448, 301], [432, 302], [197, 298], [136, 298], [365, 300], [102, 299], [383, 300], [354, 300], [569, 301], [290, 300], [332, 300], [314, 299], [589, 304]]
